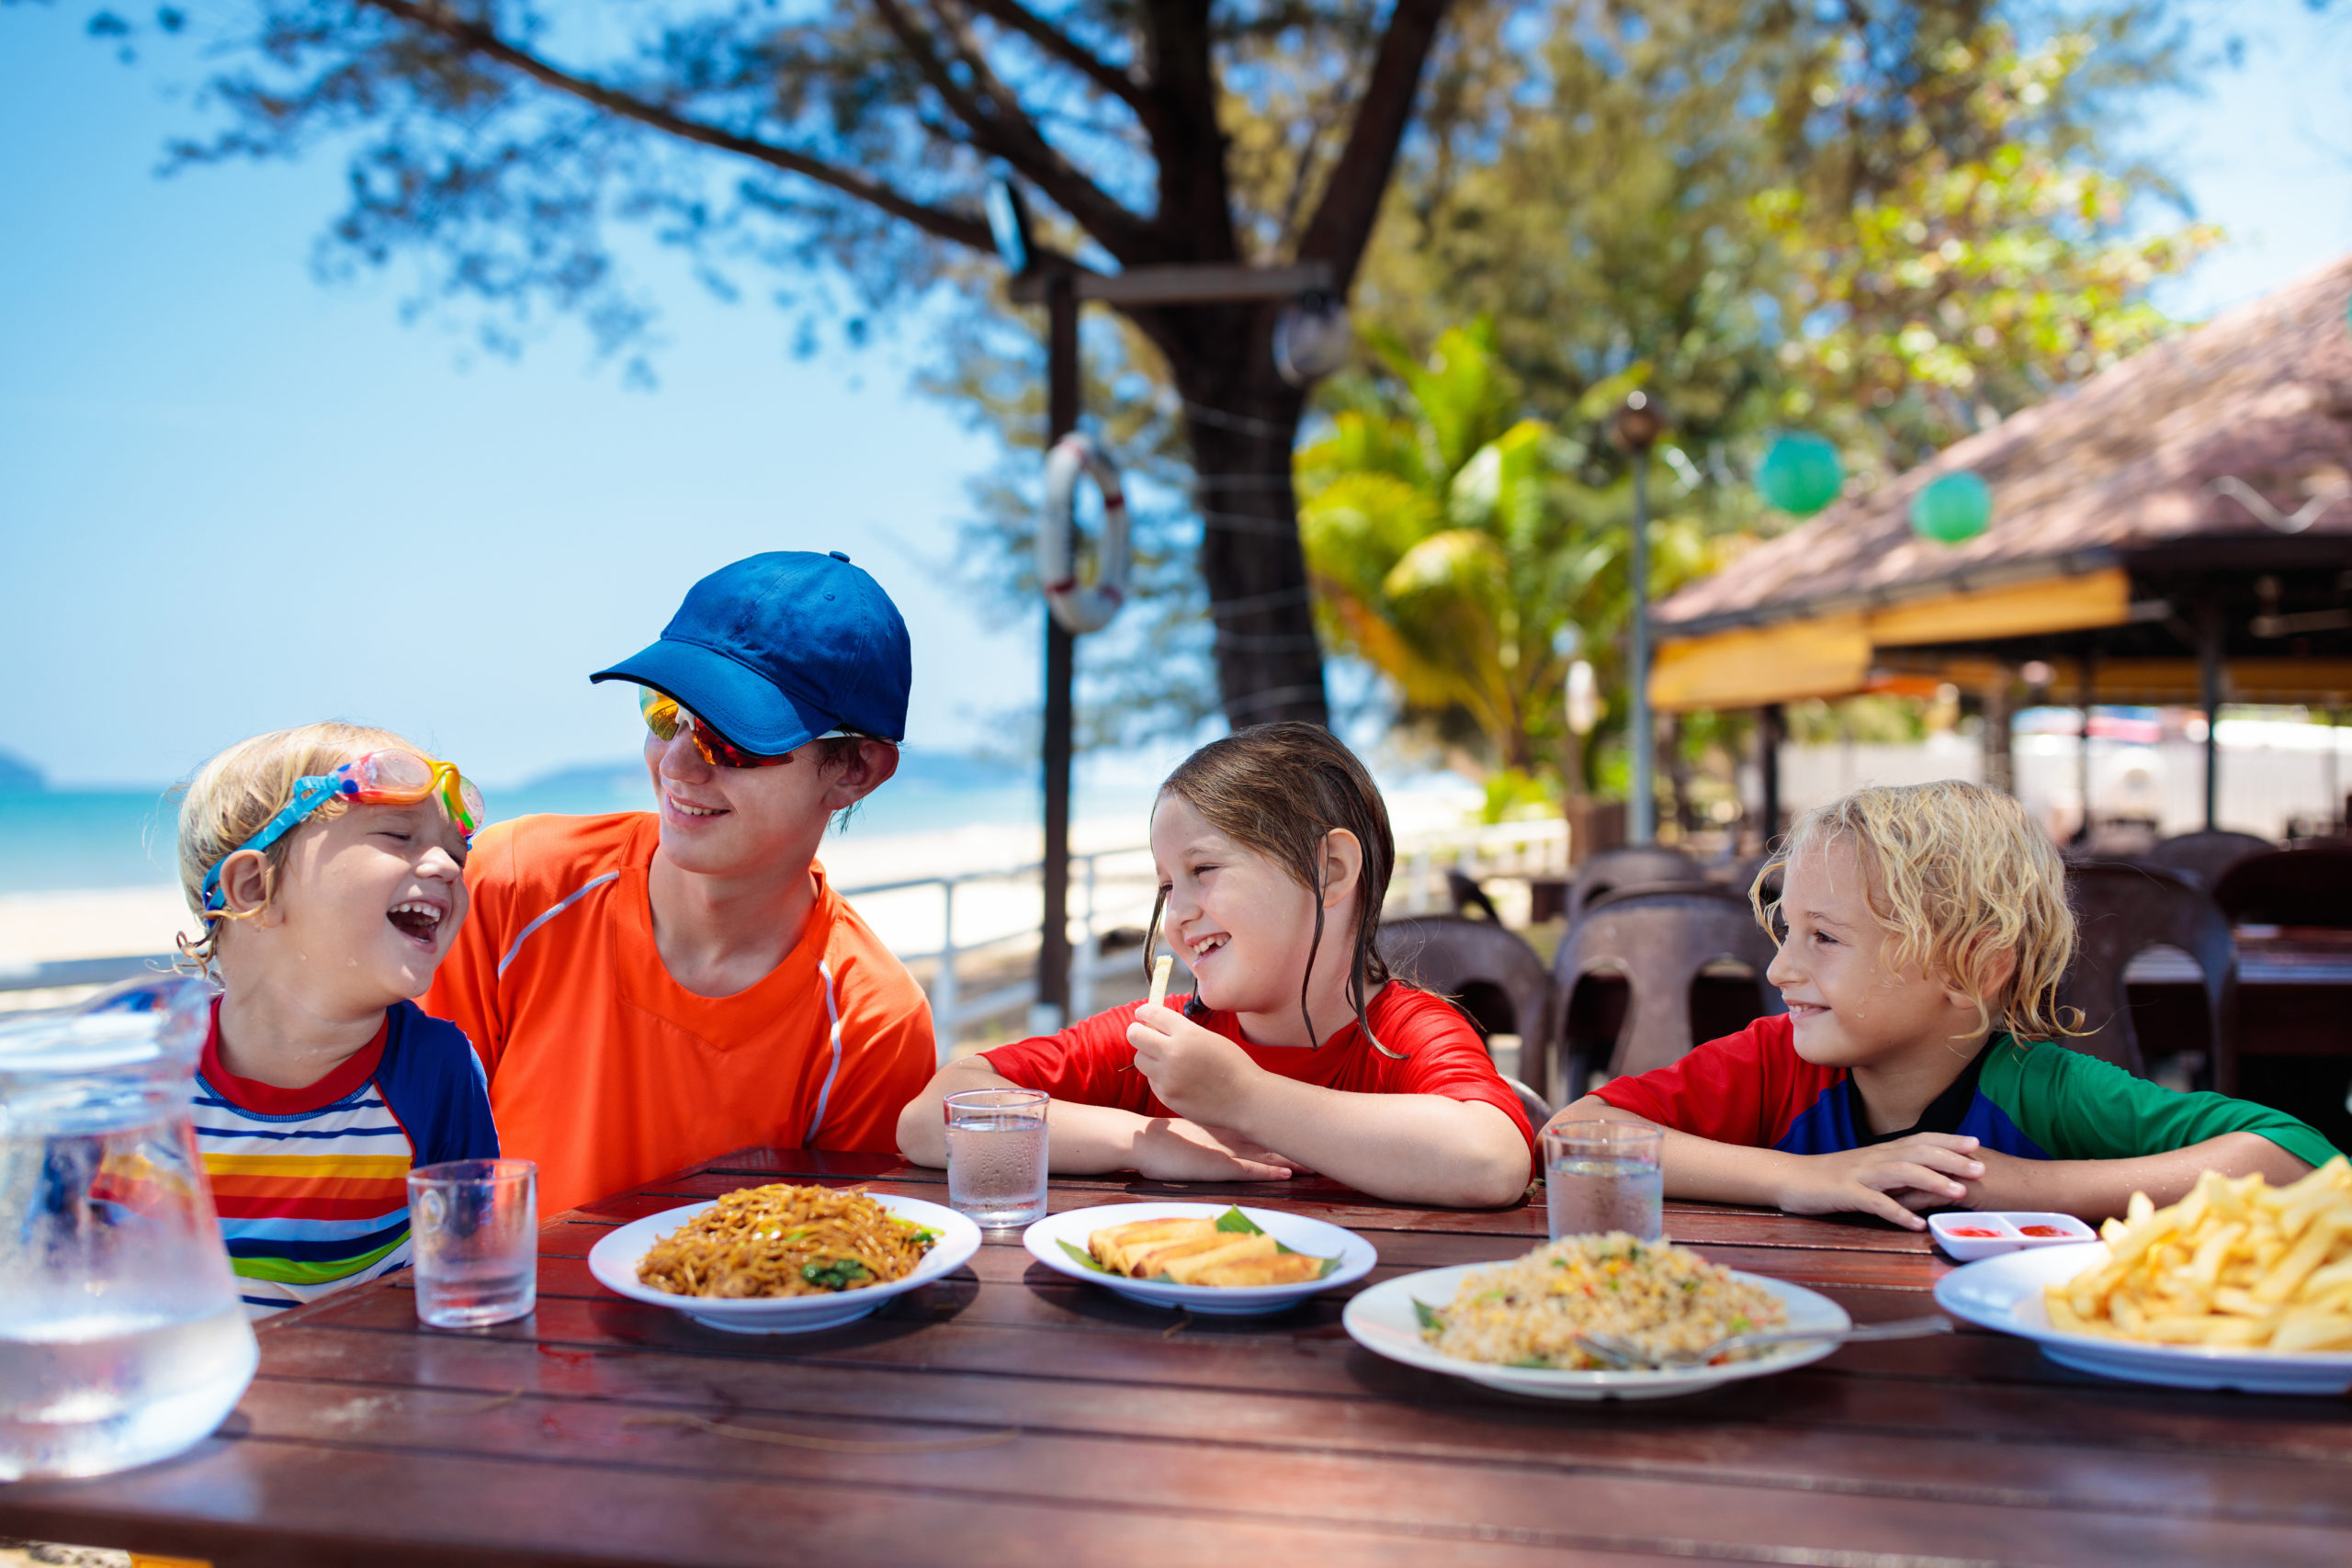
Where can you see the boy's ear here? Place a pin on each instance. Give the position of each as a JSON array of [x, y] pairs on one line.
[[2000, 968], [245, 882], [1342, 863], [865, 772]]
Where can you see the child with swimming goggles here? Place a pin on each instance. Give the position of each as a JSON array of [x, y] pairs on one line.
[[326, 864]]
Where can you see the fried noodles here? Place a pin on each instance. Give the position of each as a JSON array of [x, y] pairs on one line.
[[785, 1241]]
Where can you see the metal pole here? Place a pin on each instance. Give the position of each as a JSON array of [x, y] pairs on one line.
[[1053, 946], [1641, 810], [1767, 772], [2209, 681]]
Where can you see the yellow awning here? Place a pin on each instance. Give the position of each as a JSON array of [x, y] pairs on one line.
[[1830, 656]]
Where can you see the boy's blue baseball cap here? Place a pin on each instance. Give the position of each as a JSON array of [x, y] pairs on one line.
[[780, 649]]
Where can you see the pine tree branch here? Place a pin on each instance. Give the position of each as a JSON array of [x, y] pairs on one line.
[[1342, 222], [997, 125], [1059, 45], [478, 39]]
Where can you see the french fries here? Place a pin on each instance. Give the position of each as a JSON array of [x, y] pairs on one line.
[[1160, 973], [2237, 1263]]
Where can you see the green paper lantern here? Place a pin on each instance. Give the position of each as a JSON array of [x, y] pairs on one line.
[[1953, 510], [1800, 473]]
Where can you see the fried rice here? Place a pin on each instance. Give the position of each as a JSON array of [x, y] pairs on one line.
[[1652, 1294]]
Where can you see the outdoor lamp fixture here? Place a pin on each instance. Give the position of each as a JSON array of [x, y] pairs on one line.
[[1312, 338], [1637, 424]]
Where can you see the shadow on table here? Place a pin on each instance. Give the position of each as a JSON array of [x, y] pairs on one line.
[[659, 1328]]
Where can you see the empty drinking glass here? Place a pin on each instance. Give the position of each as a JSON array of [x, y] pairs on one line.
[[1604, 1175], [473, 1233], [996, 1156]]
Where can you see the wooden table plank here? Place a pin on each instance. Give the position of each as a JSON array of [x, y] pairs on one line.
[[369, 1440]]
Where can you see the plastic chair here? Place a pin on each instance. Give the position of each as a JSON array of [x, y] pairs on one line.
[[2118, 912], [1659, 939], [1491, 975], [1467, 894], [1641, 866], [2289, 888], [2203, 857]]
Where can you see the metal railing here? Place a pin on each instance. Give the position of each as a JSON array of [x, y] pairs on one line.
[[1507, 851], [1111, 888]]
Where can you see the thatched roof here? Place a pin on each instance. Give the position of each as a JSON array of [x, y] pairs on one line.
[[2126, 469]]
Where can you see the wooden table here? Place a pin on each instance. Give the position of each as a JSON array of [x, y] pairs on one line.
[[1008, 1415]]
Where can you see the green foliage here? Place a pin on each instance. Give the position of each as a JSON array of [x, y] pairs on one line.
[[1891, 224], [1458, 551]]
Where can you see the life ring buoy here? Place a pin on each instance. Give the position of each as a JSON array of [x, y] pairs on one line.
[[1082, 607]]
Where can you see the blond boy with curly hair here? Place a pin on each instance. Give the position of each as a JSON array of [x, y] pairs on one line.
[[1923, 930]]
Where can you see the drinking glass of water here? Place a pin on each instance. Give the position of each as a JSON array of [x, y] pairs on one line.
[[473, 1236], [996, 1156], [1604, 1175]]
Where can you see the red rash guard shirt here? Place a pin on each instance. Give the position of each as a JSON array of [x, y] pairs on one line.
[[1435, 1051]]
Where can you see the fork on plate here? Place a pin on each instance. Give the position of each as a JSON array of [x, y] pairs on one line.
[[1621, 1354]]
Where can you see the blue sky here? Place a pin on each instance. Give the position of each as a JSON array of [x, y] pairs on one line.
[[232, 497]]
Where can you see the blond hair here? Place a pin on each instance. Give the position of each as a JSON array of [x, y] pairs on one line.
[[1961, 877], [234, 796]]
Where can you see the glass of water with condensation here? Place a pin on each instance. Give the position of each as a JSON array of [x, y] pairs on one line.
[[996, 1156], [474, 1239], [1604, 1175]]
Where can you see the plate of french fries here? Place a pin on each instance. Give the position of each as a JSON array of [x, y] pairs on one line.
[[1217, 1258], [2239, 1285]]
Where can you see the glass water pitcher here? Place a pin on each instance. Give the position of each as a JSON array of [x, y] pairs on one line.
[[121, 1337]]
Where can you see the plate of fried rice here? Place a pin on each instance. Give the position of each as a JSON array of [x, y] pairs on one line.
[[1512, 1325], [784, 1259]]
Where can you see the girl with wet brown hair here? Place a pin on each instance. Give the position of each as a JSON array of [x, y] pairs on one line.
[[1296, 1050]]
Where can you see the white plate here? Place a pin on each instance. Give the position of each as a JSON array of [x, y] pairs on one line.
[[614, 1262], [1383, 1321], [2006, 1293], [1294, 1231]]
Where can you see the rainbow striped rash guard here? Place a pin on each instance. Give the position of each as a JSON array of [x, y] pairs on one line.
[[311, 1184], [2031, 1098]]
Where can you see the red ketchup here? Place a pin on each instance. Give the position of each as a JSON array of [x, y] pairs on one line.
[[1955, 1230], [2043, 1230]]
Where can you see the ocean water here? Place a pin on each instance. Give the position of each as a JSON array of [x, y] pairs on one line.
[[58, 840]]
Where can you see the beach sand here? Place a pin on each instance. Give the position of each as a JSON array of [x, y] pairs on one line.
[[43, 928]]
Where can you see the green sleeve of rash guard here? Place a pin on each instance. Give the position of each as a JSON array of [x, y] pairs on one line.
[[2077, 1107]]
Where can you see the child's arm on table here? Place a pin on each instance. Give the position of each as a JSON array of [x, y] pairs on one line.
[[1925, 1170], [1424, 1147], [2094, 1190], [1088, 1139]]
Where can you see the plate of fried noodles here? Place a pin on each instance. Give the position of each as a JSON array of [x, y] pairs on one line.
[[782, 1258], [1512, 1325]]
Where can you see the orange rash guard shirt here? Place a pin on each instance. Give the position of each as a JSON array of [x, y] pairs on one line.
[[608, 1073]]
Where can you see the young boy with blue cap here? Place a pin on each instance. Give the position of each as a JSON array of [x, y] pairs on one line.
[[647, 989]]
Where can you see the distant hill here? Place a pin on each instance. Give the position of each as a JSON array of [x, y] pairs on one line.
[[19, 776], [919, 771]]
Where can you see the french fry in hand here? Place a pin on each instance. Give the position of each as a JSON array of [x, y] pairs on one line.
[[2237, 1263], [1160, 973]]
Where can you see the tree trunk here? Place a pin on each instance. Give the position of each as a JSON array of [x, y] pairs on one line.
[[1242, 420]]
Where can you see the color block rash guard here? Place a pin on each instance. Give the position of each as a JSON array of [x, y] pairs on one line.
[[2033, 1099]]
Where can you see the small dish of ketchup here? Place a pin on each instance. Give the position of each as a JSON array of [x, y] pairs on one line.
[[1966, 1238]]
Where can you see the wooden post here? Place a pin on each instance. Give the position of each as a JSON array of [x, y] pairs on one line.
[[2000, 716], [2209, 685], [1771, 726], [2087, 670], [1061, 417]]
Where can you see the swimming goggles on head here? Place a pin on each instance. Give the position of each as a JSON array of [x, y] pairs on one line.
[[380, 778]]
